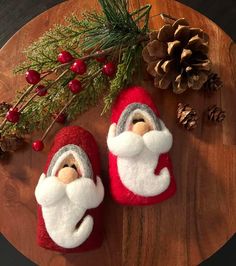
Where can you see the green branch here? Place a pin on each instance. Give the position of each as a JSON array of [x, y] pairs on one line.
[[115, 30]]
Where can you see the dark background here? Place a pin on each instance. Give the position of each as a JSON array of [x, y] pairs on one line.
[[14, 14]]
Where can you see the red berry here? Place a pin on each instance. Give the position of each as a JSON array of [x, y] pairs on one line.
[[109, 69], [32, 77], [61, 118], [64, 57], [79, 67], [41, 90], [13, 115], [100, 59], [38, 145], [75, 86]]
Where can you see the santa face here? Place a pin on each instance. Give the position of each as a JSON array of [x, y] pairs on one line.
[[138, 140], [65, 193]]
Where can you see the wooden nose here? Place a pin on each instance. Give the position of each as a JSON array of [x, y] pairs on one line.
[[67, 175], [141, 128]]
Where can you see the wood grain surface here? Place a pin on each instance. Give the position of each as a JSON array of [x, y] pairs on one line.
[[183, 230]]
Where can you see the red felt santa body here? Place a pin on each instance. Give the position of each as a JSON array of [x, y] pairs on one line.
[[69, 194], [138, 141]]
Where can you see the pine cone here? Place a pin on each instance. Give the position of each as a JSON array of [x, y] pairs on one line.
[[11, 143], [187, 116], [4, 155], [216, 114], [213, 83], [177, 55]]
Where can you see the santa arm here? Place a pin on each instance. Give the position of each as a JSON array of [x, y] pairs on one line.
[[49, 190]]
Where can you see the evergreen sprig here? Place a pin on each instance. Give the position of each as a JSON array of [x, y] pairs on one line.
[[114, 31], [125, 71], [115, 27]]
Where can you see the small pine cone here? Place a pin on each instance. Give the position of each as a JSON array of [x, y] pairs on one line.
[[216, 114], [4, 107], [11, 143], [177, 57], [3, 155], [213, 83], [187, 116]]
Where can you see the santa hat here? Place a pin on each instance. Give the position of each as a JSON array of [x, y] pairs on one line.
[[82, 143], [128, 101]]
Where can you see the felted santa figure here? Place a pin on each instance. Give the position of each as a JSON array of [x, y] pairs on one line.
[[138, 141], [69, 194]]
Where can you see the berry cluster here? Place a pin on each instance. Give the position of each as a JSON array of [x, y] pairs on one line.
[[79, 67]]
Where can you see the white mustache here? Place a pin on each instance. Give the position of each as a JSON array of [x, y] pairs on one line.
[[82, 191], [129, 144], [85, 193]]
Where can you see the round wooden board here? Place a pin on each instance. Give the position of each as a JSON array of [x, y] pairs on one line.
[[184, 230]]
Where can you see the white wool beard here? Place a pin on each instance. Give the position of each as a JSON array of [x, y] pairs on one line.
[[137, 159], [63, 206]]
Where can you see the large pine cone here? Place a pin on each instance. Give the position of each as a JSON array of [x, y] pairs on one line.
[[177, 55]]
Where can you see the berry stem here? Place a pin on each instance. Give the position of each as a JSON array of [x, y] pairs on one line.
[[91, 76], [28, 90], [47, 87], [54, 121], [96, 55], [55, 69], [27, 102], [66, 106]]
